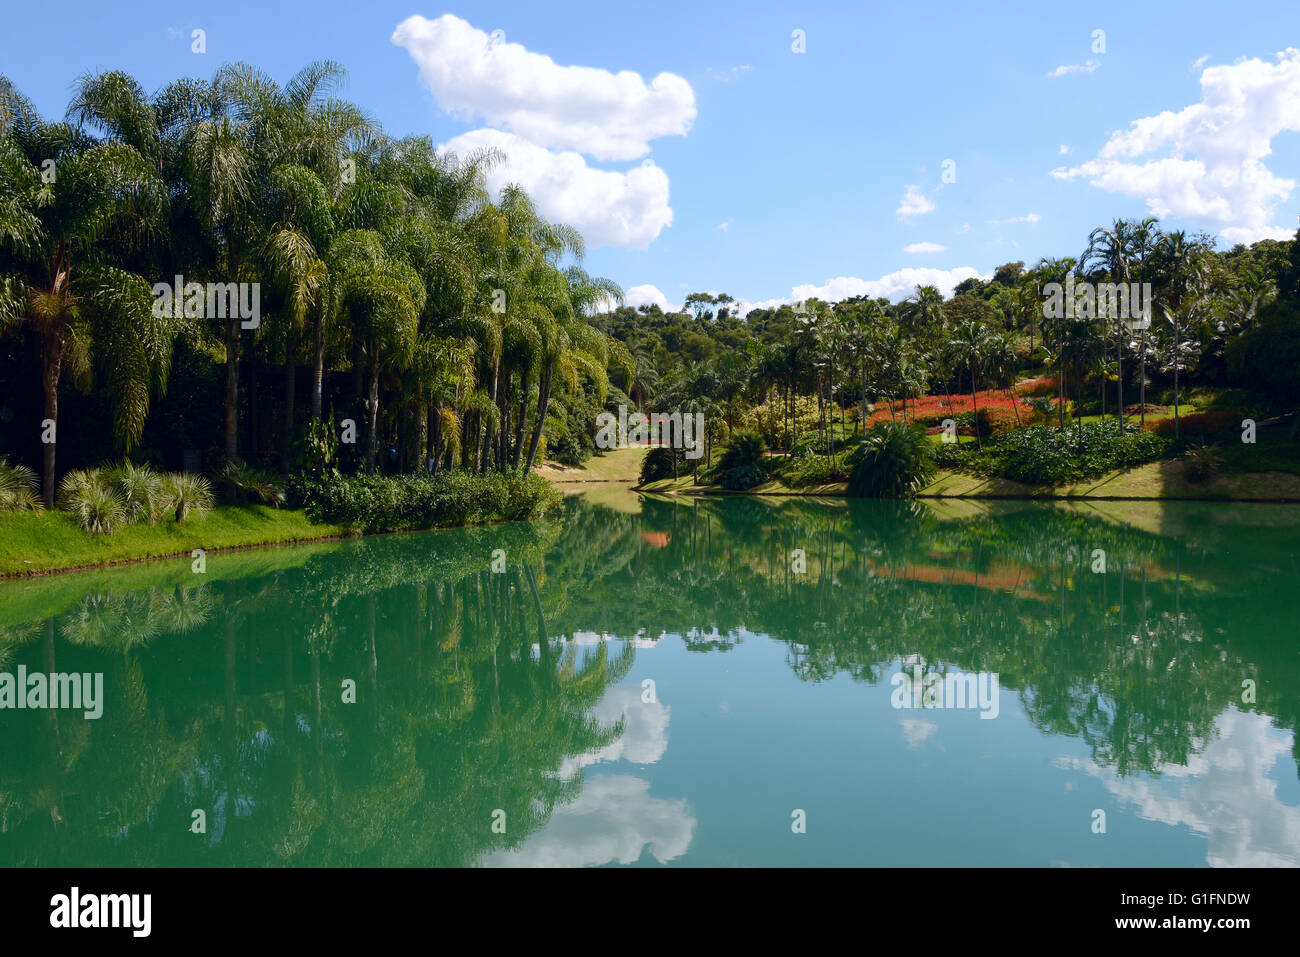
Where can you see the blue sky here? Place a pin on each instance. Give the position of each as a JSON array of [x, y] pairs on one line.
[[774, 174]]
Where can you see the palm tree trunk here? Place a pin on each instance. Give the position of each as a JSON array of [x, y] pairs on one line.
[[232, 388], [543, 400], [1119, 372], [975, 405], [522, 424], [372, 407], [290, 388], [318, 369], [53, 364]]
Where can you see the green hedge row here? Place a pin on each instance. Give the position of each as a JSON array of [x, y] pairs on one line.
[[1047, 456], [379, 503]]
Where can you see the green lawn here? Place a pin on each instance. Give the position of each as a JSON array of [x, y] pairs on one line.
[[616, 465], [45, 541]]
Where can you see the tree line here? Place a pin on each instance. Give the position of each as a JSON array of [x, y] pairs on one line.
[[1216, 319], [442, 320]]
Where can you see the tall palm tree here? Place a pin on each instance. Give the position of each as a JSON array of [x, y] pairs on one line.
[[973, 343], [1183, 266], [1051, 270], [1112, 250], [67, 245]]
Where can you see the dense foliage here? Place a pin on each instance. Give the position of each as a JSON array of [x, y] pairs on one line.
[[893, 461], [412, 320], [1048, 455], [378, 503]]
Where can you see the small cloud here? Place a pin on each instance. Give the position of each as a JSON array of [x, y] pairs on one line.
[[965, 228], [648, 294], [915, 733], [1063, 150], [728, 76], [1086, 67], [724, 226], [916, 248], [1198, 63], [1030, 218], [914, 203]]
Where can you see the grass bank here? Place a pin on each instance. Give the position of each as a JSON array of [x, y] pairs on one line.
[[36, 542], [616, 465]]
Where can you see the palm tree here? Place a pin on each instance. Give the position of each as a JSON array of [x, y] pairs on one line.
[[1057, 271], [1112, 249], [67, 245], [973, 343], [1184, 270]]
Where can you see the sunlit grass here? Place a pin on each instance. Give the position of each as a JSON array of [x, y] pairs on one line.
[[43, 541]]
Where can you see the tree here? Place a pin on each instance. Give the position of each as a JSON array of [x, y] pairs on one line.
[[67, 237], [973, 343]]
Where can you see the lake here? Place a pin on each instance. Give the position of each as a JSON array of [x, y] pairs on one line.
[[698, 682]]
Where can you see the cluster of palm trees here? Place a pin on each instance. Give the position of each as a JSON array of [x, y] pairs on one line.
[[461, 312], [843, 355], [985, 337]]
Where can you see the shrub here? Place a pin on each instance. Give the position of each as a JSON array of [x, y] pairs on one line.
[[1201, 463], [185, 494], [1047, 386], [741, 478], [97, 506], [317, 448], [140, 488], [745, 448], [658, 464], [377, 503], [1047, 456], [893, 461], [19, 488], [251, 484], [1201, 425], [802, 471]]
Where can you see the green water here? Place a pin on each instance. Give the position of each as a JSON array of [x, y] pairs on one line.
[[671, 682]]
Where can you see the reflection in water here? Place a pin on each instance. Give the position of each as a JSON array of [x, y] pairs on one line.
[[478, 694], [1224, 792]]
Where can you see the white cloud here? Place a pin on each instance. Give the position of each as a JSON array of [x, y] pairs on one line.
[[645, 731], [608, 208], [1030, 218], [614, 819], [1198, 63], [1087, 66], [1064, 150], [647, 294], [915, 732], [895, 286], [1205, 163], [1226, 791], [914, 203], [724, 226], [916, 248], [610, 116]]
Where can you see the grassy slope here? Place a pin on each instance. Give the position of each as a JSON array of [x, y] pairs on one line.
[[616, 465], [44, 541]]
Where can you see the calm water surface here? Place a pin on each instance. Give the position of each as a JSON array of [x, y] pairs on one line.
[[710, 682]]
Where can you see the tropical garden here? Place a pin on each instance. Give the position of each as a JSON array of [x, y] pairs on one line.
[[987, 380], [419, 344]]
